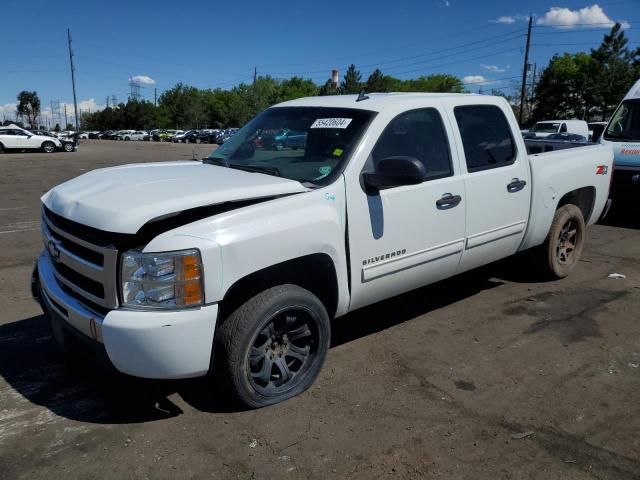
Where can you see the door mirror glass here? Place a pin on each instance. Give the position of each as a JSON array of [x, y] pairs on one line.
[[395, 172]]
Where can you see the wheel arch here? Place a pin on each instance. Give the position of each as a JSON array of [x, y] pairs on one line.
[[584, 198], [315, 272]]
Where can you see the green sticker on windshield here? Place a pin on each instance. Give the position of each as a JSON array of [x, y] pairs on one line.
[[337, 152], [324, 171]]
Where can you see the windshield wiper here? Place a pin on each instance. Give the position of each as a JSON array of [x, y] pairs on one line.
[[215, 161], [256, 168]]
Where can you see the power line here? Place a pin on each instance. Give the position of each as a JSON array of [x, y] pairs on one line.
[[518, 33]]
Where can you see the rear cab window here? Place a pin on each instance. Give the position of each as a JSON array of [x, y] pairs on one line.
[[486, 137]]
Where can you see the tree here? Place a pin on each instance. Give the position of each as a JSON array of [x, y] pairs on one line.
[[29, 106], [69, 127], [378, 82], [435, 83], [297, 87], [561, 91], [56, 128], [613, 70], [329, 88], [352, 82]]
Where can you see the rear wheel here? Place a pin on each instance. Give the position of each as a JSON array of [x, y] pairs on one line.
[[197, 140], [564, 242], [68, 147], [1, 148], [48, 147], [273, 346]]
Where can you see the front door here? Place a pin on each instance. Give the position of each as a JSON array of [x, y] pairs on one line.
[[404, 237]]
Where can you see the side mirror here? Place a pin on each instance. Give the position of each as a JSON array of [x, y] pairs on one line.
[[395, 172]]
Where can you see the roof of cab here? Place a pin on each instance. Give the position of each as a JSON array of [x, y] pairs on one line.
[[376, 101], [634, 92]]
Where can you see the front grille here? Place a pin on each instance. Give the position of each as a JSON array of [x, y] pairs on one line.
[[85, 268]]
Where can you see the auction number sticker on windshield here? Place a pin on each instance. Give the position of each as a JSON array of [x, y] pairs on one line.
[[331, 123]]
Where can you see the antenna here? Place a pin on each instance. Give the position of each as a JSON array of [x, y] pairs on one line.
[[362, 96]]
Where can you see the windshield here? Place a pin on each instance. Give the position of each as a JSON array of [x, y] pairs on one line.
[[625, 123], [307, 144], [546, 127]]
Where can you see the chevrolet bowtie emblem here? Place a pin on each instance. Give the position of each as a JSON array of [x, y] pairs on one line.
[[54, 248]]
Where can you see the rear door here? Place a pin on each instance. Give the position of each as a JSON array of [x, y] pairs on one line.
[[497, 184], [404, 237]]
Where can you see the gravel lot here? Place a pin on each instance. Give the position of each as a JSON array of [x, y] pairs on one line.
[[490, 375]]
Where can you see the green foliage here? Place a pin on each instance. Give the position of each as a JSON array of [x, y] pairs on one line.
[[29, 106], [587, 85], [69, 127], [56, 128], [188, 107], [352, 82]]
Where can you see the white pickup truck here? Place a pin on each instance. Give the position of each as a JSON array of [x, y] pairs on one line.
[[238, 263]]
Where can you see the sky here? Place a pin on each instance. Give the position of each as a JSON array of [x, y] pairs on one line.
[[218, 44]]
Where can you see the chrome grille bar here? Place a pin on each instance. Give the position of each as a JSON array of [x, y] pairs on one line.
[[104, 275]]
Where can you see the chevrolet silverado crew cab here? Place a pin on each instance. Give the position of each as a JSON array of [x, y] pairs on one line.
[[237, 264]]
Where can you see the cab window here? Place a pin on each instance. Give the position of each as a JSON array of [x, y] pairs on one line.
[[419, 134], [486, 137]]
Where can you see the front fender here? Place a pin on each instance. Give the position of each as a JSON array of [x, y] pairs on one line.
[[238, 243]]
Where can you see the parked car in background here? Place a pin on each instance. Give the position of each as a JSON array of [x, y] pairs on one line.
[[546, 128], [179, 137], [167, 135], [623, 134], [289, 139], [131, 135], [69, 144], [13, 137], [94, 135]]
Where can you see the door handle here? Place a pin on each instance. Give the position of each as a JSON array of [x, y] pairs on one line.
[[516, 185], [448, 201]]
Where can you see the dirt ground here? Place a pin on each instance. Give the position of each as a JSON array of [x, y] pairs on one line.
[[490, 375]]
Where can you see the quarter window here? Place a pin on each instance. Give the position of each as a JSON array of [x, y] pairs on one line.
[[486, 137], [419, 134]]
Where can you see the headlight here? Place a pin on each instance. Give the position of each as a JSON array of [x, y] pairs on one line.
[[162, 280]]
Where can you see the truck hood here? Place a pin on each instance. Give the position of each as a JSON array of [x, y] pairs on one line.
[[122, 199]]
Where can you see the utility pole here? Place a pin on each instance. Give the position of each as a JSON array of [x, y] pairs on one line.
[[523, 92], [255, 74], [66, 122], [73, 79]]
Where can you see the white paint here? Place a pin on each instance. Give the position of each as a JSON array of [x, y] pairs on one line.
[[434, 242]]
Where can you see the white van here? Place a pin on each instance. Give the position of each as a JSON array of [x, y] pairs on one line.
[[550, 127], [623, 133]]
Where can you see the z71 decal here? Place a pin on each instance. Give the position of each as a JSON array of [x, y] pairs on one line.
[[602, 170]]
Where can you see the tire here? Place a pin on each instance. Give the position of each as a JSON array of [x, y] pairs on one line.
[[283, 331], [127, 138], [564, 243], [68, 147], [278, 146], [1, 148], [48, 147], [197, 140]]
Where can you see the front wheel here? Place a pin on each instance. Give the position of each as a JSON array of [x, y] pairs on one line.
[[564, 242], [68, 147], [48, 147], [273, 346]]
